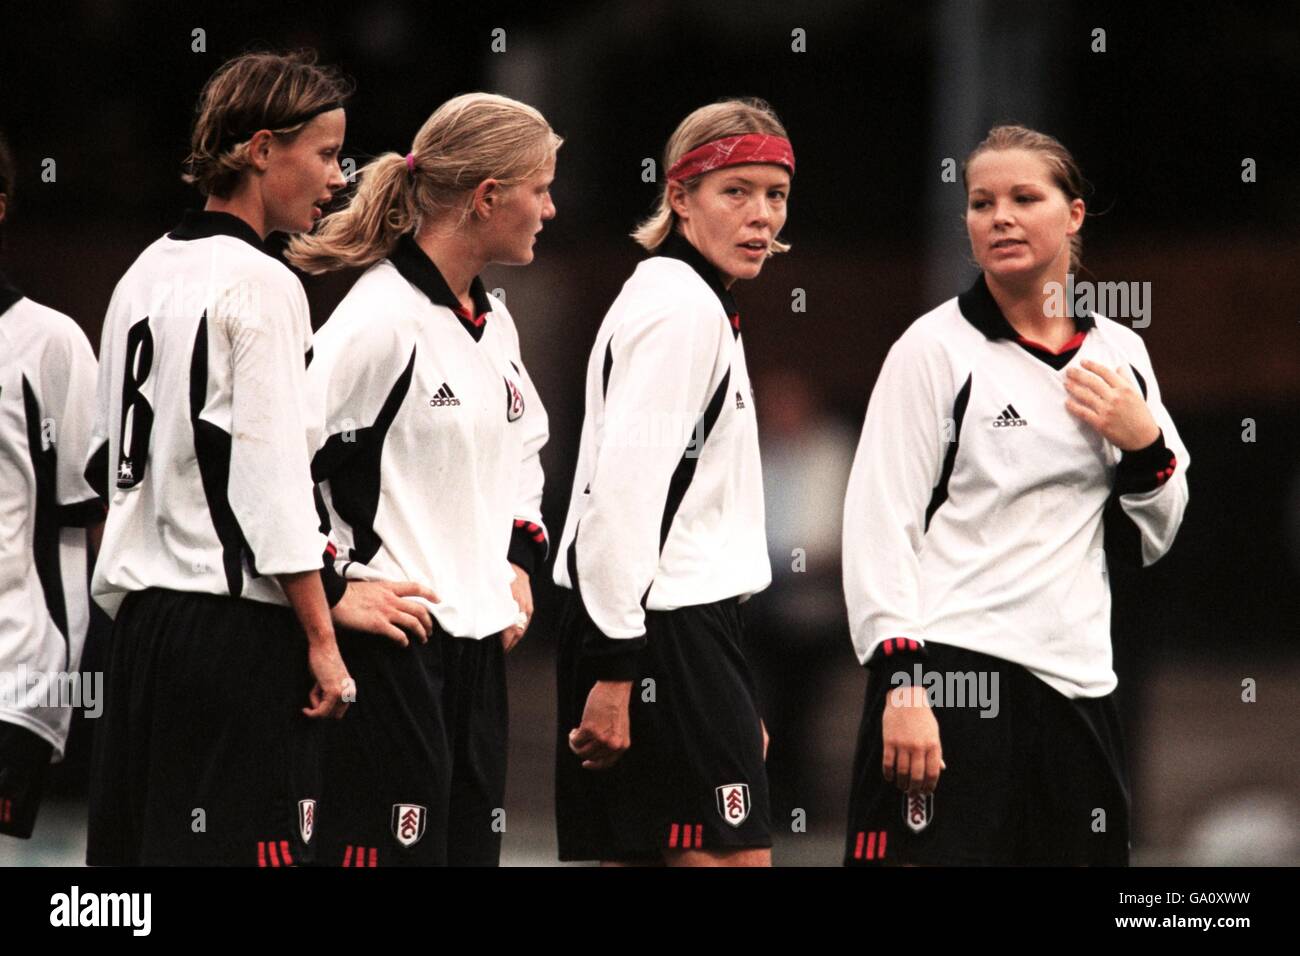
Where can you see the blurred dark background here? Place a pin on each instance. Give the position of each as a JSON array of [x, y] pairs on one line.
[[1161, 122]]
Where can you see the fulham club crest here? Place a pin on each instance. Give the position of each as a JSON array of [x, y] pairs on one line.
[[733, 803], [514, 402], [918, 810], [408, 823], [306, 819]]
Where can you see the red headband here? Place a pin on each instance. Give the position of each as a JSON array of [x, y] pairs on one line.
[[733, 151]]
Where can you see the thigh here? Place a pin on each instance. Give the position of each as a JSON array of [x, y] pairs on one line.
[[1078, 814], [387, 763], [220, 754], [694, 777], [478, 712], [972, 818], [24, 763]]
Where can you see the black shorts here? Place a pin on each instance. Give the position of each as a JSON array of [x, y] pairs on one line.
[[693, 777], [24, 763], [386, 763], [477, 714], [1042, 781], [202, 755]]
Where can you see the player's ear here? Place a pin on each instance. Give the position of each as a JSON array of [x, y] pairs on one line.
[[486, 196], [677, 199], [259, 149], [1077, 211], [4, 206]]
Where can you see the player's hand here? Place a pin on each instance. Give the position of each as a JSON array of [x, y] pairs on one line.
[[522, 592], [913, 756], [606, 729], [765, 737], [378, 608], [1109, 403], [334, 688]]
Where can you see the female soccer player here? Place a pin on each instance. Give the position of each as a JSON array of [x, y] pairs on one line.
[[203, 753], [660, 746], [47, 402], [1002, 429], [429, 469]]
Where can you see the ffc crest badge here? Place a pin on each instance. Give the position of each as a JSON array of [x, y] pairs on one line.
[[306, 819], [733, 803], [514, 402], [918, 810], [408, 823]]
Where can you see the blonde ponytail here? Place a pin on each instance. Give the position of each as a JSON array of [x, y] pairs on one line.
[[469, 139], [367, 229]]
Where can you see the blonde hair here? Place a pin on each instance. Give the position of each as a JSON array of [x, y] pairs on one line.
[[1064, 170], [717, 120], [468, 139], [256, 91]]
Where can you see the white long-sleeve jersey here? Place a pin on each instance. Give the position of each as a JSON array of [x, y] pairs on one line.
[[47, 401], [974, 512], [200, 432], [429, 433], [667, 504]]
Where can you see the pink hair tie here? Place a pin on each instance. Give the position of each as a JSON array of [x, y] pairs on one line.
[[410, 162]]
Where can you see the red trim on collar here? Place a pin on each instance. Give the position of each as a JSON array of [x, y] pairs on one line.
[[1074, 343], [464, 314]]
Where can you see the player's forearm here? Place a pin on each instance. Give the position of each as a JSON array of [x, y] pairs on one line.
[[307, 598]]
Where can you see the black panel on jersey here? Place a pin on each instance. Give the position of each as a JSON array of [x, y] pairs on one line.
[[97, 471], [352, 469], [609, 364], [212, 450], [1142, 383], [685, 470], [949, 459], [45, 523]]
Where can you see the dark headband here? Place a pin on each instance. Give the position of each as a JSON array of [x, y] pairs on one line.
[[232, 139]]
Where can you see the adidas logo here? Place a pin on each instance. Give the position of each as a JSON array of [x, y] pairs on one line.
[[444, 396], [1009, 418], [740, 402]]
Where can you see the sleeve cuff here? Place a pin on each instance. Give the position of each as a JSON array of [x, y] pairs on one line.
[[1145, 469], [897, 652], [527, 545], [82, 514], [609, 658]]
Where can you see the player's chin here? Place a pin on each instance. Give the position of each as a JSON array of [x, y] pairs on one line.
[[1020, 267]]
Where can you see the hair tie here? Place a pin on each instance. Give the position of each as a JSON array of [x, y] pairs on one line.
[[410, 162]]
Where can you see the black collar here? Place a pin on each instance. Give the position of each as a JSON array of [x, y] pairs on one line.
[[981, 310], [677, 246], [203, 223], [8, 294], [419, 270]]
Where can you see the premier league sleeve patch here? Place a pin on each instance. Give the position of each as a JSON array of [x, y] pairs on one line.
[[733, 803]]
